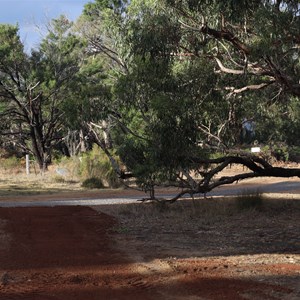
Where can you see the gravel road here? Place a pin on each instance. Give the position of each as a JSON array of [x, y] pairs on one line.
[[290, 188]]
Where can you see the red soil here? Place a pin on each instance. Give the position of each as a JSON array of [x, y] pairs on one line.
[[70, 253]]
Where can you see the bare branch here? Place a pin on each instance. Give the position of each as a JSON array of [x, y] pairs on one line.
[[227, 70], [248, 88], [207, 131]]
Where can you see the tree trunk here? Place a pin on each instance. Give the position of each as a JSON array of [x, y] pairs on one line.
[[41, 155]]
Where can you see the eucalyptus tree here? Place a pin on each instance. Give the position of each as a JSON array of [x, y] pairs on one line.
[[184, 73], [157, 101], [34, 87], [254, 45]]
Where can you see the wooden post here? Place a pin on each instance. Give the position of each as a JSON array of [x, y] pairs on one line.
[[27, 165]]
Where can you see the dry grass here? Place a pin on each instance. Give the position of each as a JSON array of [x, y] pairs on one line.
[[14, 181], [194, 215], [183, 215]]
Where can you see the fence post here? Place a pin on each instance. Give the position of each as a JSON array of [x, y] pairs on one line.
[[27, 164]]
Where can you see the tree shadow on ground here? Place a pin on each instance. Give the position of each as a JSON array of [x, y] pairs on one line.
[[209, 227]]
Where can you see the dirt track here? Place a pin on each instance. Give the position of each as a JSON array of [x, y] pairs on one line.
[[77, 253]]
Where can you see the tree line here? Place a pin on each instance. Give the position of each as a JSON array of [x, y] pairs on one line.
[[164, 85]]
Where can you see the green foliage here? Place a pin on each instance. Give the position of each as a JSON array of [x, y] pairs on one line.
[[89, 95], [294, 154], [280, 152], [163, 102], [92, 183], [10, 163], [96, 164], [93, 9], [33, 87], [11, 48]]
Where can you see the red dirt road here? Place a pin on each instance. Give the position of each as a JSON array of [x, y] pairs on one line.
[[60, 253], [65, 253]]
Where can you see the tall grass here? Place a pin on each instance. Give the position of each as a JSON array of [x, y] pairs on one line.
[[249, 200]]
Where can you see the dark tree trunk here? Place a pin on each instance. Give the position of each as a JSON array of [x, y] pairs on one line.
[[42, 156]]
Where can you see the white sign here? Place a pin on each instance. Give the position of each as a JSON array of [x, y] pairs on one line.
[[255, 149]]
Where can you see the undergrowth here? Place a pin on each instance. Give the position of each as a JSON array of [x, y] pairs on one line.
[[93, 183], [248, 200]]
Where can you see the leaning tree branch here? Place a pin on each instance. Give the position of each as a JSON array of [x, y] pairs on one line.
[[251, 70], [282, 78], [251, 87], [256, 166], [227, 36]]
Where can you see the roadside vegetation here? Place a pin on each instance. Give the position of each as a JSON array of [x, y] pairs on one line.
[[80, 173]]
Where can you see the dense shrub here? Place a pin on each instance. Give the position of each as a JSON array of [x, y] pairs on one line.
[[96, 164], [93, 183]]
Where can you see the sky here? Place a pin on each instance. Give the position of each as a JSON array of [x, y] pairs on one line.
[[33, 14]]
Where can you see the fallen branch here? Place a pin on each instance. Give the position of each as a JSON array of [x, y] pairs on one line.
[[257, 166]]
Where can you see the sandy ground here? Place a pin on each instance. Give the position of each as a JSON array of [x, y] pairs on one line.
[[205, 250]]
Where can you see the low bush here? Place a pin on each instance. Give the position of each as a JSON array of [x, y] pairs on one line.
[[96, 164], [294, 154], [93, 183], [10, 163]]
